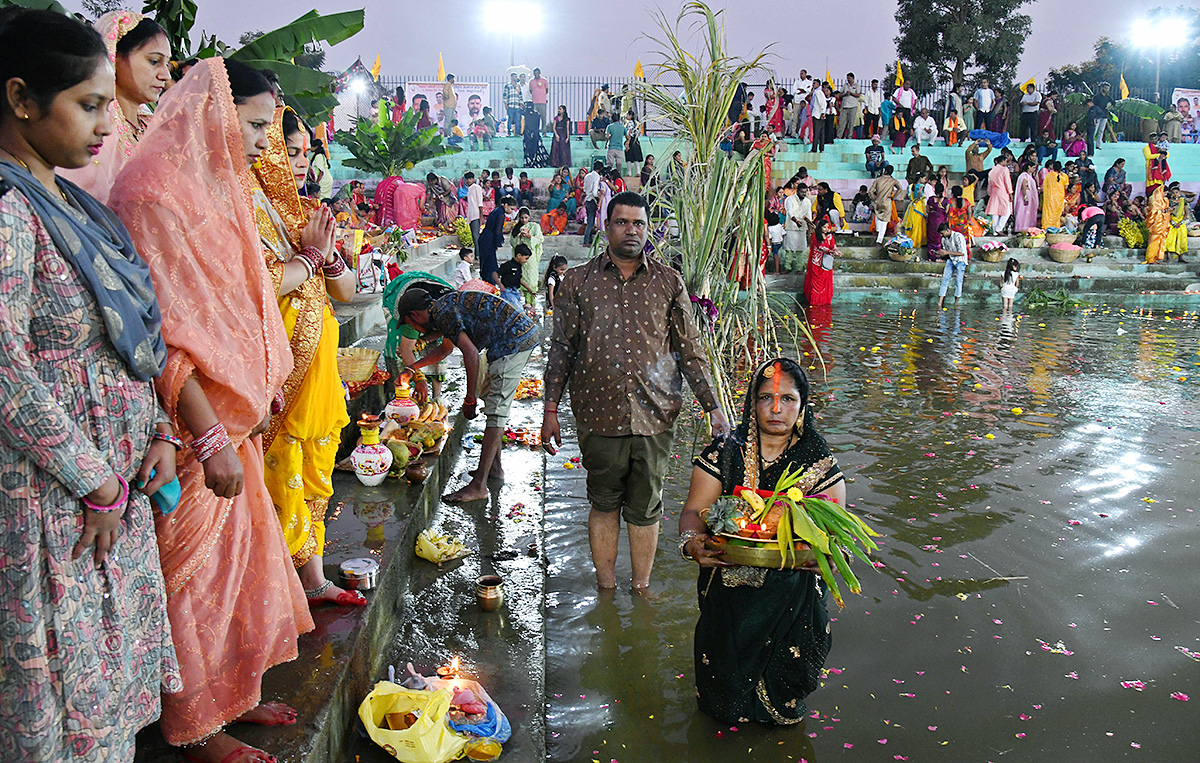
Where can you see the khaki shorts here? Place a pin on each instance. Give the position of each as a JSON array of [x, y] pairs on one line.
[[500, 382], [626, 473]]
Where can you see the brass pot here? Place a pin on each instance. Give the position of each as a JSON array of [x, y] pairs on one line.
[[489, 592]]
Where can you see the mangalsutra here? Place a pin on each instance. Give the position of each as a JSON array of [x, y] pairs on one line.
[[765, 463]]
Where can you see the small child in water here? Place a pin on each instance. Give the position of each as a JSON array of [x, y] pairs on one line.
[[1009, 283]]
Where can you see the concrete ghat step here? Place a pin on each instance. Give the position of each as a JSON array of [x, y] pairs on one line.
[[342, 658]]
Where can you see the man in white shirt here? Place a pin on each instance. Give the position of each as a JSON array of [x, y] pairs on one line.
[[820, 107], [474, 205], [925, 128], [591, 200], [1031, 102], [797, 210], [872, 102], [985, 101], [851, 107], [804, 84], [954, 245]]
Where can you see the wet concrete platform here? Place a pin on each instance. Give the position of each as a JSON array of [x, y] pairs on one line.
[[420, 613]]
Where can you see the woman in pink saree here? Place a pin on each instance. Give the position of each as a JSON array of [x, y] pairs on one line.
[[1026, 202], [235, 603], [140, 53]]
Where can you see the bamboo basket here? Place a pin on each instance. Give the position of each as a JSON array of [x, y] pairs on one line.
[[356, 364], [1065, 256], [1032, 242], [901, 254], [994, 255], [1060, 238]]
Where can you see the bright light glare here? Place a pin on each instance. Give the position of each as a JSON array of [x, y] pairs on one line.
[[1164, 33], [518, 18], [357, 86]]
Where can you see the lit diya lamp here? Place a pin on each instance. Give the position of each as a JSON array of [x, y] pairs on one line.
[[450, 670]]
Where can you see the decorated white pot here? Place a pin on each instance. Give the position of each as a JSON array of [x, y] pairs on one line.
[[371, 459]]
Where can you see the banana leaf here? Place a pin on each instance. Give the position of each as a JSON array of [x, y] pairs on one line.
[[36, 5], [1077, 98], [1138, 108], [176, 17], [288, 41]]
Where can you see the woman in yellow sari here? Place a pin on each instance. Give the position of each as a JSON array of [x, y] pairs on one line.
[[1177, 238], [914, 216], [1054, 190], [1158, 221], [302, 442]]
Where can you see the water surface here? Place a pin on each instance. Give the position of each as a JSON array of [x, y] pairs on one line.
[[1035, 478]]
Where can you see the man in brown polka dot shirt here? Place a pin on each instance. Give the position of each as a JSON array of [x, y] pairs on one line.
[[624, 330]]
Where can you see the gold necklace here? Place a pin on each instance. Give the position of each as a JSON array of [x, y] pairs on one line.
[[26, 166], [765, 463]]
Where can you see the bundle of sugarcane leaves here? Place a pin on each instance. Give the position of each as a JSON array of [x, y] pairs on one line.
[[1057, 301], [828, 529]]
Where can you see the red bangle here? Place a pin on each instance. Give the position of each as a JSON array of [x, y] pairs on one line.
[[208, 444], [312, 257], [334, 269], [172, 439], [120, 502]]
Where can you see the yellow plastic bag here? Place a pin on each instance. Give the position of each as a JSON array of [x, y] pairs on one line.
[[429, 740]]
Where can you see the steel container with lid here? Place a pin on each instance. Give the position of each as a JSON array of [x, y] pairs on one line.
[[360, 574]]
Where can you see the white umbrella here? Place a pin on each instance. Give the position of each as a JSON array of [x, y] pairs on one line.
[[520, 69]]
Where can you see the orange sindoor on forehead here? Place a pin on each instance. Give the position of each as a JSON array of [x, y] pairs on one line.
[[775, 387]]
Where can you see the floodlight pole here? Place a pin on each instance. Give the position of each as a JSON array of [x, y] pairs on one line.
[[512, 47]]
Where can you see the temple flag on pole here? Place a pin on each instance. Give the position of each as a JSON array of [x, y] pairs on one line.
[[441, 69], [638, 71], [899, 74], [376, 68], [1124, 87]]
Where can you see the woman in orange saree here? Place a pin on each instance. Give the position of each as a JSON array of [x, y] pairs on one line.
[[302, 442], [1158, 221], [235, 603]]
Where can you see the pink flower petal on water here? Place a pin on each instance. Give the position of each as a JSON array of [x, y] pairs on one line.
[[1135, 745], [933, 728], [1024, 717], [1138, 685], [848, 745], [881, 741], [1179, 696]]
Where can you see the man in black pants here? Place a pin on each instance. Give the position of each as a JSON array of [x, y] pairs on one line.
[[820, 105]]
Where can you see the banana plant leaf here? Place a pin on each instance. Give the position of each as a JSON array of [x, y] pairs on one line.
[[1077, 98], [1138, 108], [36, 5], [176, 17], [295, 80], [288, 41]]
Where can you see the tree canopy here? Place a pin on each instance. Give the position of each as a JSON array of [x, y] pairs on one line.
[[960, 41]]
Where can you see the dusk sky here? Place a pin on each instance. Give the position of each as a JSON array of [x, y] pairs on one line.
[[578, 38]]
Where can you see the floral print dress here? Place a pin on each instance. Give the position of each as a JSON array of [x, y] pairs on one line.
[[84, 651]]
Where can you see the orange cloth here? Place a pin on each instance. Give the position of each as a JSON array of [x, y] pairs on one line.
[[554, 223], [1158, 222], [235, 604]]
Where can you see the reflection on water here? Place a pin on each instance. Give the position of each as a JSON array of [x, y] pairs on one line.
[[1035, 478]]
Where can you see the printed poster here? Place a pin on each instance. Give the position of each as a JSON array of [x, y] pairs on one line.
[[472, 97]]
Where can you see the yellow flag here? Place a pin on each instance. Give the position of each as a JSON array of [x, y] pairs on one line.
[[1124, 87], [441, 69], [638, 71], [1027, 84], [899, 74], [375, 69], [828, 78]]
